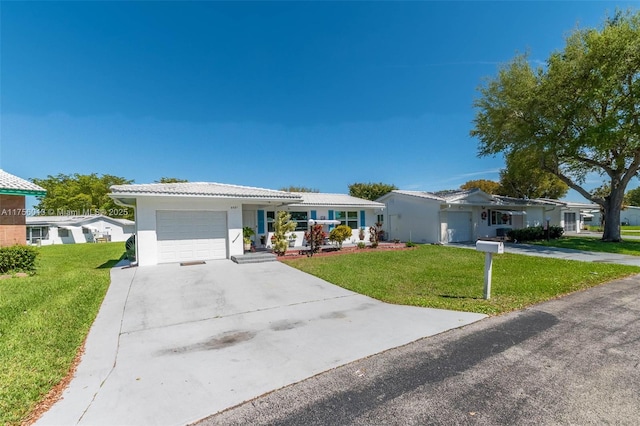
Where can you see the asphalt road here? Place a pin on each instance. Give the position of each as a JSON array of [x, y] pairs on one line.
[[574, 360]]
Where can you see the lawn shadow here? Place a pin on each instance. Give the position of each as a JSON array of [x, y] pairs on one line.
[[448, 296], [111, 263]]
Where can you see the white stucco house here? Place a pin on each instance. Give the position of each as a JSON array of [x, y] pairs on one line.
[[462, 216], [191, 221], [630, 215], [568, 214], [49, 230]]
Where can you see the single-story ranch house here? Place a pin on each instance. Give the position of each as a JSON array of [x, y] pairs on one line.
[[629, 215], [178, 222], [12, 207], [48, 230], [462, 216]]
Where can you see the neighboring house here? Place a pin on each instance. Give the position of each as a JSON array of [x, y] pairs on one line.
[[569, 215], [12, 207], [192, 221], [630, 215], [48, 230], [458, 216]]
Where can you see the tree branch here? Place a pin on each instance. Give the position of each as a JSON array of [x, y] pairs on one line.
[[586, 194]]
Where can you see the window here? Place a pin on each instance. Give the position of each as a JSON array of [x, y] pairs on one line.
[[37, 233], [500, 218], [347, 218], [63, 233], [271, 217], [86, 230], [301, 219], [380, 218]]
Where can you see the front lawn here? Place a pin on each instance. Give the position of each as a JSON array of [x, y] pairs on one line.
[[45, 318], [452, 278], [630, 247]]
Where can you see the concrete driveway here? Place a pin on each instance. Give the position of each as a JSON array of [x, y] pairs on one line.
[[173, 344]]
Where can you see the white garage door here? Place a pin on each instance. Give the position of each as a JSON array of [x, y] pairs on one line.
[[191, 235], [459, 227]]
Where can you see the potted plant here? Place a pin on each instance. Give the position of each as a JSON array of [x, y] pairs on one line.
[[292, 240], [361, 234], [247, 233]]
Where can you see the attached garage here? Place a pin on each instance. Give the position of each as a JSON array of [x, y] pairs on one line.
[[459, 227], [192, 221], [186, 235]]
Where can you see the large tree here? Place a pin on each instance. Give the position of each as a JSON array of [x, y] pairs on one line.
[[522, 178], [171, 180], [486, 185], [370, 191], [632, 197], [578, 115], [292, 188], [80, 195]]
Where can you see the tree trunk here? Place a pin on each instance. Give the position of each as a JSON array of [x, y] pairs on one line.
[[612, 208]]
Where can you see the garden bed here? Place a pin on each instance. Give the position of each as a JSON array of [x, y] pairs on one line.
[[331, 250]]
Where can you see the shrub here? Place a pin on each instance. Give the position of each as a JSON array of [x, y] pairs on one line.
[[282, 226], [376, 234], [130, 248], [317, 235], [535, 233], [410, 244], [18, 258], [339, 234], [361, 245]]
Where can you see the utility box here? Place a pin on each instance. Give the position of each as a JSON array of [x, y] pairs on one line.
[[490, 246]]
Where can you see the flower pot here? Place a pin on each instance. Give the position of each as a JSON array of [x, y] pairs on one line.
[[247, 246], [292, 243]]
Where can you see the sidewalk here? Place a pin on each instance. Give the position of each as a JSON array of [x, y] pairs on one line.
[[562, 253]]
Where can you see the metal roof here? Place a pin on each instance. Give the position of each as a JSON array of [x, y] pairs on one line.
[[201, 189], [323, 199], [13, 185], [419, 194]]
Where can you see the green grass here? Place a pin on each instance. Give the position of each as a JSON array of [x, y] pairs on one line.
[[452, 278], [624, 230], [45, 318], [630, 230], [630, 247]]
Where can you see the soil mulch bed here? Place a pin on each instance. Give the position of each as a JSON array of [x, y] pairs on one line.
[[296, 254]]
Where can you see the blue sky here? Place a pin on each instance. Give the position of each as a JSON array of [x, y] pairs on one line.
[[268, 94]]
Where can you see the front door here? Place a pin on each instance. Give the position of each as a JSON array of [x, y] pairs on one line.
[[250, 219], [570, 222]]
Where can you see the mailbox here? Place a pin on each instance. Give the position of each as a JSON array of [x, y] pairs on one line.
[[490, 246]]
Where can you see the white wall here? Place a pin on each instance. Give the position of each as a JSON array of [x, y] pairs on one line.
[[147, 249], [411, 218]]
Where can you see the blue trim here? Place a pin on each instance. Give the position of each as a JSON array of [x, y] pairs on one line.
[[362, 221], [260, 221], [331, 218], [313, 214]]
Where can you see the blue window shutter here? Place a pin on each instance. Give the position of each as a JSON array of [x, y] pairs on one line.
[[362, 221], [260, 221], [313, 215], [331, 218]]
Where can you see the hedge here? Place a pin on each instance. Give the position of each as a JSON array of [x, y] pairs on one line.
[[18, 258], [534, 233]]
